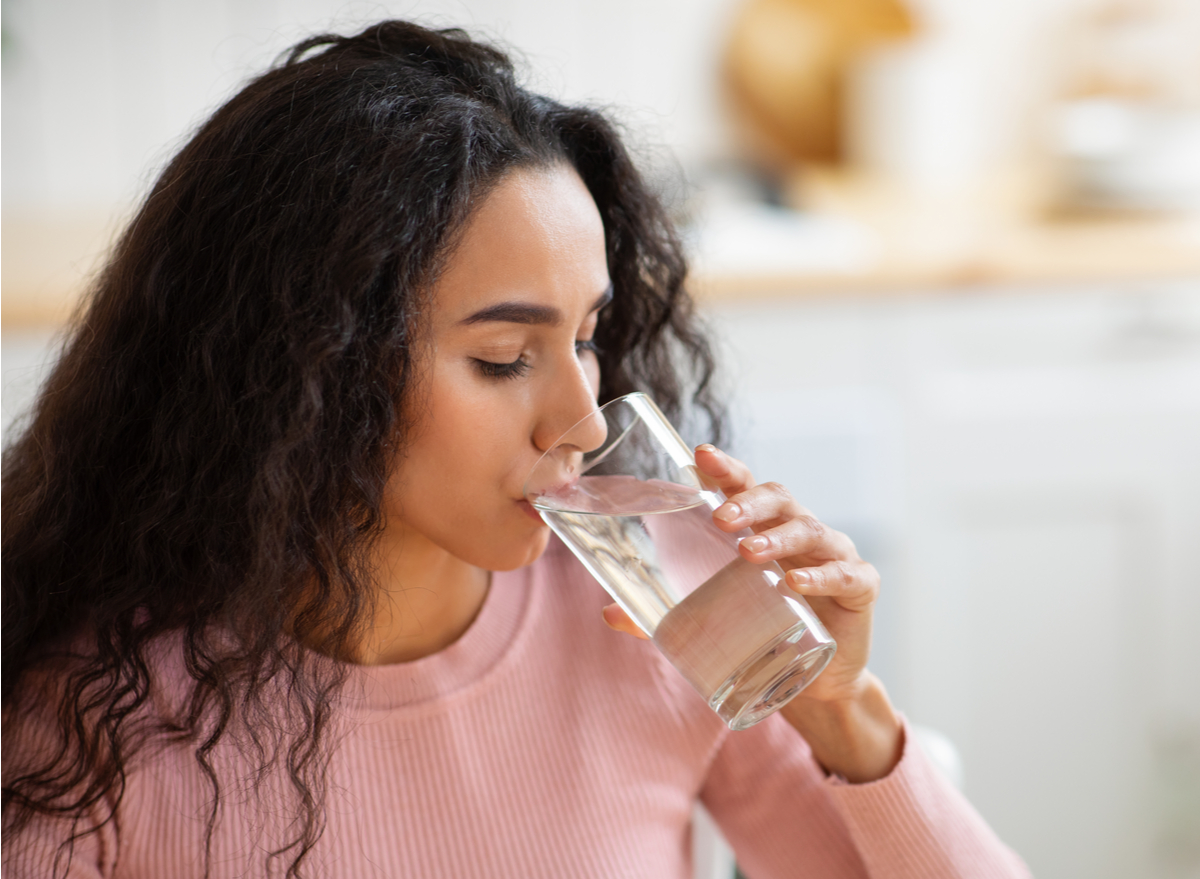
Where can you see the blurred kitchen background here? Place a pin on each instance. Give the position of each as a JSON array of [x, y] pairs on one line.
[[952, 251]]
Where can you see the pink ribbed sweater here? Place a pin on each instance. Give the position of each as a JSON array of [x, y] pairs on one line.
[[542, 744]]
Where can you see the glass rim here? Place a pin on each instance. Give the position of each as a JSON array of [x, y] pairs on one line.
[[608, 446]]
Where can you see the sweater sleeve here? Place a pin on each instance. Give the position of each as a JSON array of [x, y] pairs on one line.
[[785, 818]]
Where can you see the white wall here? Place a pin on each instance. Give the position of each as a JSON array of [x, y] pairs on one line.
[[97, 93]]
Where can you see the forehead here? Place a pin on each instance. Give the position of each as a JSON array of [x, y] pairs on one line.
[[537, 238]]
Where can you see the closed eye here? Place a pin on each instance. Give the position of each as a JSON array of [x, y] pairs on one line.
[[520, 366], [514, 369]]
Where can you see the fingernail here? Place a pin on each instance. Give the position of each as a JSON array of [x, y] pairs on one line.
[[756, 544], [728, 512], [798, 578], [706, 447]]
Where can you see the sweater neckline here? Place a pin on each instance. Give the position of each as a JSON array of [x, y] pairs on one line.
[[478, 653]]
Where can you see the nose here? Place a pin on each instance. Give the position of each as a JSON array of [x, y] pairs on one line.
[[570, 425], [570, 415]]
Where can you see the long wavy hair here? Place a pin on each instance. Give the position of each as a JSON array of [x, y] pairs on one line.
[[208, 456]]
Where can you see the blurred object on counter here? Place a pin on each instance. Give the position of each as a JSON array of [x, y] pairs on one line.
[[786, 70], [917, 115], [747, 239], [875, 233], [922, 163], [1122, 154], [739, 226], [1126, 134]]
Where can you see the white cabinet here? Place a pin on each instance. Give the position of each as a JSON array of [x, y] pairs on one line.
[[1024, 469]]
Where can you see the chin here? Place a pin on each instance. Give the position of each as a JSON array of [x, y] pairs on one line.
[[522, 552], [502, 543]]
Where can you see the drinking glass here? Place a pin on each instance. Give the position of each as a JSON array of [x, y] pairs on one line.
[[622, 490]]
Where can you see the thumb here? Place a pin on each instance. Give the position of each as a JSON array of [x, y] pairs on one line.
[[619, 621]]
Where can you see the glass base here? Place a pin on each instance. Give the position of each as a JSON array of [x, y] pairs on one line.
[[768, 680]]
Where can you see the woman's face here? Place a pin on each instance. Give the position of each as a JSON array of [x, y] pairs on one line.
[[507, 370]]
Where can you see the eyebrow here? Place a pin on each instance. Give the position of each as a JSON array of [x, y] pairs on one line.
[[527, 313]]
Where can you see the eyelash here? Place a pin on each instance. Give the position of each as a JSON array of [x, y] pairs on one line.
[[520, 366]]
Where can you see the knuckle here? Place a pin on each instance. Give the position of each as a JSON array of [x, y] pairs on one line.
[[757, 500], [870, 577], [775, 489], [814, 527], [747, 500], [776, 538], [844, 571]]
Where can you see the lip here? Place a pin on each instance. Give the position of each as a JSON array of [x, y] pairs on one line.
[[528, 510]]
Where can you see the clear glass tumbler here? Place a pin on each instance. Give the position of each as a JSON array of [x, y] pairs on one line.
[[622, 491]]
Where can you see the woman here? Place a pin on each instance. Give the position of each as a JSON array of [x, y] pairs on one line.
[[272, 601]]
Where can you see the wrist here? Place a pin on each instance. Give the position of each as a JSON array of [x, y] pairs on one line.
[[858, 736]]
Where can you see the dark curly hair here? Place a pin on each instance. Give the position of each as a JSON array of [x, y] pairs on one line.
[[207, 459]]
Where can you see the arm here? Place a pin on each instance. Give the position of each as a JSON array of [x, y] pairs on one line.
[[859, 738], [785, 818]]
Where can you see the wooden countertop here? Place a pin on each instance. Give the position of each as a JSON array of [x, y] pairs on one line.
[[48, 258], [996, 235], [925, 242], [1066, 252]]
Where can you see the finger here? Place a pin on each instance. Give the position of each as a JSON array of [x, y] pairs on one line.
[[853, 585], [620, 621], [726, 472], [803, 537], [762, 505]]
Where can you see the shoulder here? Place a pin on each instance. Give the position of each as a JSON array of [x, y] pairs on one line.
[[74, 689]]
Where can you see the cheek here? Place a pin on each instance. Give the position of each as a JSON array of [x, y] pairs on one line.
[[455, 455], [456, 484]]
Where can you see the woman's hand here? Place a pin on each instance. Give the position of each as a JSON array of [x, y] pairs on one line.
[[821, 564], [844, 709]]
